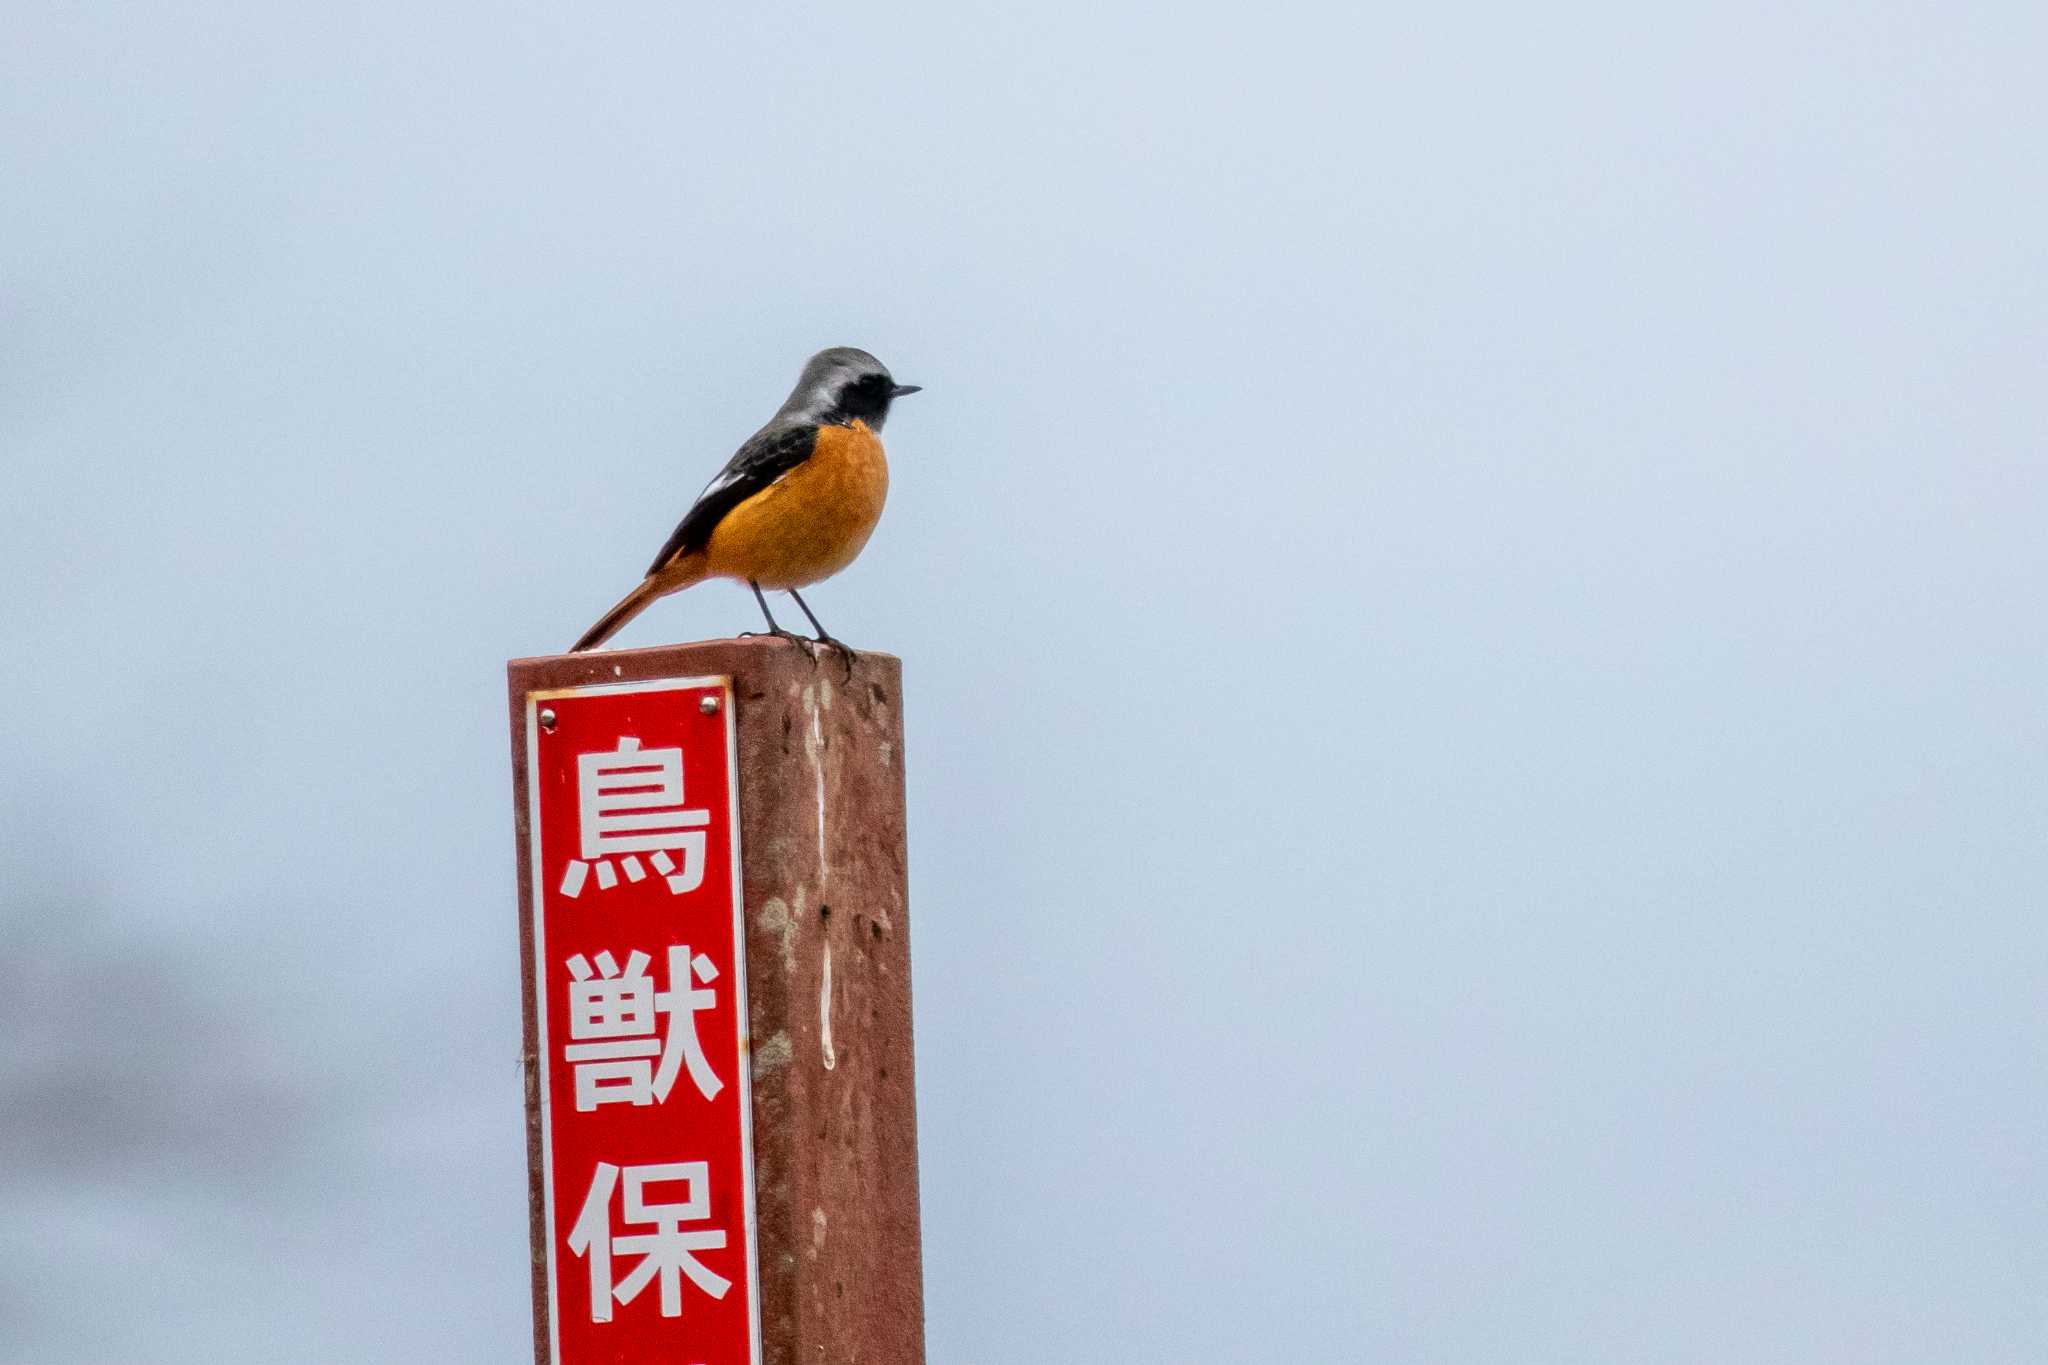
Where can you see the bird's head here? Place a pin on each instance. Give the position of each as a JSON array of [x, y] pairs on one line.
[[844, 385]]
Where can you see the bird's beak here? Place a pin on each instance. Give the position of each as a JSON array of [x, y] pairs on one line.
[[902, 389]]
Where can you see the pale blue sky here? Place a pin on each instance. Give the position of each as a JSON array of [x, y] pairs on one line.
[[1470, 580]]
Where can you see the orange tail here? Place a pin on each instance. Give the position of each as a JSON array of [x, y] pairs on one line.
[[683, 573]]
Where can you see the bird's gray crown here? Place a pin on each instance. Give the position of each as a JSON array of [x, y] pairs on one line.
[[837, 385]]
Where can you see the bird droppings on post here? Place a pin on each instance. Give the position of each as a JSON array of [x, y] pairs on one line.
[[814, 749], [825, 1052]]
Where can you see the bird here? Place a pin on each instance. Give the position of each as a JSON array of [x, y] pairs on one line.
[[793, 506]]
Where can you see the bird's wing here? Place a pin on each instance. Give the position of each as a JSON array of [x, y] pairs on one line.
[[766, 457]]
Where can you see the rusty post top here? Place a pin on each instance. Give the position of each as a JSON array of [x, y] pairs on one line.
[[735, 655]]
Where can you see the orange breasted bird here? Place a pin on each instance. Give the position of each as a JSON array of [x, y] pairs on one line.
[[793, 506]]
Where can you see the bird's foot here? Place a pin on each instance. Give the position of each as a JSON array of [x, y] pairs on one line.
[[802, 642], [842, 649]]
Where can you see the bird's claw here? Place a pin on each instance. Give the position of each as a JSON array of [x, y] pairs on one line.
[[842, 649], [802, 642]]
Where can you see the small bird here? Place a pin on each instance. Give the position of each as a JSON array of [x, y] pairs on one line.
[[793, 506]]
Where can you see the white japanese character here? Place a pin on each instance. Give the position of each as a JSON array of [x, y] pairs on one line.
[[621, 1007], [667, 1252], [630, 801]]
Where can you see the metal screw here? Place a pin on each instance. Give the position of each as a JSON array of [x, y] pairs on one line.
[[708, 705], [547, 717]]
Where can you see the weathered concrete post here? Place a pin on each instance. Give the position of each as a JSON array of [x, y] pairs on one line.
[[624, 849]]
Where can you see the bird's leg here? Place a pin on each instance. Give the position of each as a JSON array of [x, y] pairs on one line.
[[824, 638], [777, 631]]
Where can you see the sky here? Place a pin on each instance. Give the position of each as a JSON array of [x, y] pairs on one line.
[[1470, 587]]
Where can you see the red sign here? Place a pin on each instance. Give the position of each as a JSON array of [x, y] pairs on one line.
[[640, 991]]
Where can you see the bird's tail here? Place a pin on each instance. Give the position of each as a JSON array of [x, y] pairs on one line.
[[683, 573]]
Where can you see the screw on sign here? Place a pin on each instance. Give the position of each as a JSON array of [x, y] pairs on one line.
[[640, 996]]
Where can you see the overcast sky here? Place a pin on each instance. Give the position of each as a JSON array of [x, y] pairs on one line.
[[1470, 580]]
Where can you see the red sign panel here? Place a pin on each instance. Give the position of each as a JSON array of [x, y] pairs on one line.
[[640, 989]]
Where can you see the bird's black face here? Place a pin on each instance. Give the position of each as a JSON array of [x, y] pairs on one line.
[[866, 398]]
